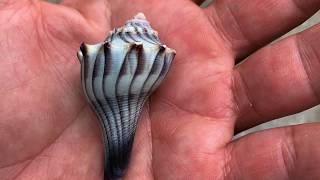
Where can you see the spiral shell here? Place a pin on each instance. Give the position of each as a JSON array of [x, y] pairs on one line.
[[118, 76]]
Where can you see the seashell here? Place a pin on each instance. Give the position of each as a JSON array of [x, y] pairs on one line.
[[118, 75]]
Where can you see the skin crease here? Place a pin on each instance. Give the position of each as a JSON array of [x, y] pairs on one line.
[[48, 131]]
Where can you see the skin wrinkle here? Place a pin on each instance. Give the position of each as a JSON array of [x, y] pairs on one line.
[[98, 30], [9, 19], [55, 33], [234, 164], [8, 4], [20, 57], [255, 43], [168, 147], [55, 69], [162, 138], [302, 10], [49, 143], [89, 20], [251, 105], [306, 66], [16, 163], [61, 131], [234, 90], [149, 132], [216, 17], [227, 160], [213, 18], [288, 152], [22, 170], [24, 84], [221, 112], [17, 57], [169, 103], [215, 21], [69, 85], [239, 27], [177, 129], [13, 172]]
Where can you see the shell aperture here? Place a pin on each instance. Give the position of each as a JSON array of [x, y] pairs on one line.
[[118, 75]]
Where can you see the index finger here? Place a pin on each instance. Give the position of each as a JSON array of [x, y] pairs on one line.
[[251, 24]]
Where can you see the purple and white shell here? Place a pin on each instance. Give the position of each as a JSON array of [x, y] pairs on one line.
[[118, 75]]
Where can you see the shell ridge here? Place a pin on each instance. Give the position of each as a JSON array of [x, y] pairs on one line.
[[163, 73], [92, 100], [153, 75], [143, 97], [150, 81], [146, 32], [116, 120], [132, 97], [85, 56], [152, 38], [155, 85], [123, 37], [145, 72], [140, 35], [122, 163], [110, 91], [125, 77], [166, 63], [104, 108], [149, 32], [131, 37]]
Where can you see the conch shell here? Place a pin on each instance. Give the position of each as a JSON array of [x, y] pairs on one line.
[[118, 75]]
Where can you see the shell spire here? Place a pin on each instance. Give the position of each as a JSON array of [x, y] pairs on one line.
[[140, 15], [118, 75]]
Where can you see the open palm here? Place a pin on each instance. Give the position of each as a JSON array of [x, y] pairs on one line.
[[47, 130]]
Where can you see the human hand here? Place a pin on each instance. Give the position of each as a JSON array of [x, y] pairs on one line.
[[47, 130], [206, 98]]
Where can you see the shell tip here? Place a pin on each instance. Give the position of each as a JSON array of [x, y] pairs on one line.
[[140, 15], [172, 51], [80, 56], [81, 51]]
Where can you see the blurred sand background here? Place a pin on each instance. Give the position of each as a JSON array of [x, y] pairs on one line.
[[311, 115]]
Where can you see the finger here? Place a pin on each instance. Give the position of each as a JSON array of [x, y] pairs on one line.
[[248, 25], [75, 22], [96, 12], [283, 153], [279, 80]]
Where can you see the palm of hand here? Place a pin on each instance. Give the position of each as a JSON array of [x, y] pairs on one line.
[[46, 123], [43, 123]]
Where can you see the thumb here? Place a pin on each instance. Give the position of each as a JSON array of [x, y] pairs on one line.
[[96, 13], [77, 20]]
